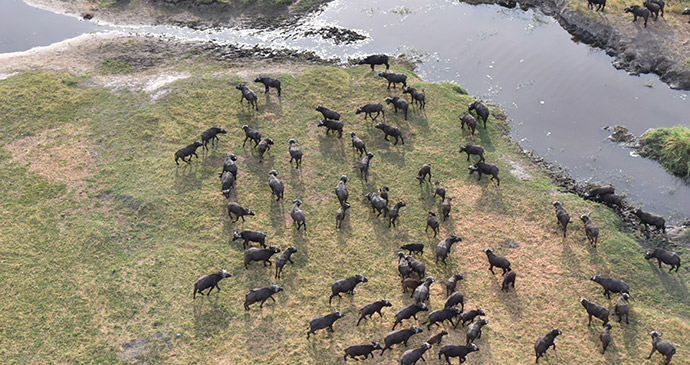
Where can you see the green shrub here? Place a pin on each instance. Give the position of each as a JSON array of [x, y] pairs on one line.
[[669, 146]]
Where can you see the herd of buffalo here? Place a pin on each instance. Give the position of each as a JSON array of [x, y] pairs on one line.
[[649, 8], [411, 270]]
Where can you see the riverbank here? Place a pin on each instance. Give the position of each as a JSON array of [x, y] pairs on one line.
[[113, 234], [669, 146], [112, 59], [663, 48]]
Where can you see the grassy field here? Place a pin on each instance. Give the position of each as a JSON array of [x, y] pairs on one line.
[[102, 236]]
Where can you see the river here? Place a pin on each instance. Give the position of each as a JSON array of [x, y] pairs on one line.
[[557, 92]]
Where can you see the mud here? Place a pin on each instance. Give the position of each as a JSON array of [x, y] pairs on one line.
[[145, 55], [337, 34], [137, 349], [621, 135]]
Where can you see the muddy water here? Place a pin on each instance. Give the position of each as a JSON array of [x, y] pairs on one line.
[[23, 27], [558, 93]]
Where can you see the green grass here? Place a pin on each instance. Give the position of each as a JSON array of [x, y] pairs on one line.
[[402, 10], [101, 251], [111, 66], [678, 7], [669, 146]]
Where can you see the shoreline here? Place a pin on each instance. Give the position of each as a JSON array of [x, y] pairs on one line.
[[636, 50], [662, 49]]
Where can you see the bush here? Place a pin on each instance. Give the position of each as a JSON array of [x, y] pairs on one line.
[[669, 146]]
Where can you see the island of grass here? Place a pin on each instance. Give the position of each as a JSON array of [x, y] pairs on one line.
[[669, 146], [103, 235]]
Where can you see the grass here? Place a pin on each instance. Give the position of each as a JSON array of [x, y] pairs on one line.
[[111, 66], [669, 146], [98, 261], [402, 10], [677, 6]]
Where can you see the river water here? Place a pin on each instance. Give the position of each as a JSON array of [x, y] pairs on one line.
[[23, 27], [558, 93]]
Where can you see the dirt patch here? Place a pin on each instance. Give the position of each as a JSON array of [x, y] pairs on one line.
[[151, 63], [509, 244], [62, 154], [620, 134], [7, 75], [134, 349], [154, 86], [337, 34], [138, 348], [516, 169], [153, 82]]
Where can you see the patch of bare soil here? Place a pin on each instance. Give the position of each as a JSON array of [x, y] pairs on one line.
[[138, 348], [62, 154], [150, 63], [76, 8], [517, 170]]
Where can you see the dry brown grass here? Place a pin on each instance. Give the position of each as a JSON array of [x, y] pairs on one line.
[[61, 154]]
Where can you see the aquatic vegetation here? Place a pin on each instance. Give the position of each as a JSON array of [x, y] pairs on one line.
[[669, 146]]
